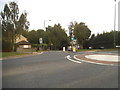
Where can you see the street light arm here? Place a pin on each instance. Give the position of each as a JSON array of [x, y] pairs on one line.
[[44, 23]]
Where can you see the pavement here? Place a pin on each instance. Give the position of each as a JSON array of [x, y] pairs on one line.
[[53, 70]]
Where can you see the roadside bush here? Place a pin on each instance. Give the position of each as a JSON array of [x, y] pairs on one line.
[[6, 46], [40, 46]]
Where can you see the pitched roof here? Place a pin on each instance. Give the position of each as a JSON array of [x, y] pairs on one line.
[[23, 42], [20, 38]]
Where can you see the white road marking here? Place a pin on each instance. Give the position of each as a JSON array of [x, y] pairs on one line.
[[69, 58], [90, 61]]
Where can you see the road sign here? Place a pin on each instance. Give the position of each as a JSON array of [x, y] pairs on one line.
[[72, 38], [40, 40]]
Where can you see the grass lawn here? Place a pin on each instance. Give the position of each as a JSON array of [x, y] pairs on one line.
[[8, 54], [97, 50]]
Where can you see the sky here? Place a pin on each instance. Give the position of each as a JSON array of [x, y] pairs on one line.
[[98, 15]]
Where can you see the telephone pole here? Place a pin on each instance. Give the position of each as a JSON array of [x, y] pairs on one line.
[[114, 23]]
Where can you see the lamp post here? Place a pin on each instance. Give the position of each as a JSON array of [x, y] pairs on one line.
[[119, 16], [114, 23], [45, 22]]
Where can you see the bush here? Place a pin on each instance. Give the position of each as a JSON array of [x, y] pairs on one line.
[[6, 46], [41, 46]]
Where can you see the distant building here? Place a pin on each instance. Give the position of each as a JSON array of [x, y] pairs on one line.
[[23, 46], [22, 42], [119, 15]]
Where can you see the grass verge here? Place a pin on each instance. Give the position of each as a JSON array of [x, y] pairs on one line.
[[8, 54], [97, 50]]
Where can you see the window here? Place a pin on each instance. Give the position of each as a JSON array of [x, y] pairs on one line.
[[25, 46]]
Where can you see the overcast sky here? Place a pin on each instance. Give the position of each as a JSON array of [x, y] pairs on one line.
[[97, 14]]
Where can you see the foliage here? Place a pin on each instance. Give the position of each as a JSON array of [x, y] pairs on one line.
[[81, 32], [105, 40], [54, 37], [43, 46], [33, 36], [9, 54], [12, 24], [57, 37]]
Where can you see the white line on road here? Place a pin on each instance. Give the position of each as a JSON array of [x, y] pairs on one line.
[[69, 58]]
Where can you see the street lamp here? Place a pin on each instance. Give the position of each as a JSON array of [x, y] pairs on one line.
[[45, 22], [114, 22]]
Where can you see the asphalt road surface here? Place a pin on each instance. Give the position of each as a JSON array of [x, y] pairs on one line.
[[52, 70]]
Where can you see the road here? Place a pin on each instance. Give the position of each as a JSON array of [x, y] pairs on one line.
[[52, 70]]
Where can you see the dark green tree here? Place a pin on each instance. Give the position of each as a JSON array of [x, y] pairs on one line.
[[12, 24], [81, 32], [105, 39], [57, 37]]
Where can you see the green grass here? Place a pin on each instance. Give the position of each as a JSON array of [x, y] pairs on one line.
[[0, 54], [97, 50], [8, 54], [110, 49], [87, 49]]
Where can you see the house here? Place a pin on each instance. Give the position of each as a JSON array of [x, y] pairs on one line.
[[23, 46], [22, 42]]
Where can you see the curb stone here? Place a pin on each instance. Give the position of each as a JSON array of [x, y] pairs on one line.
[[84, 59]]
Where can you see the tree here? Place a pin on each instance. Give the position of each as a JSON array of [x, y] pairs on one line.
[[105, 39], [81, 32], [33, 36], [54, 37], [12, 24], [22, 24], [71, 28], [57, 37]]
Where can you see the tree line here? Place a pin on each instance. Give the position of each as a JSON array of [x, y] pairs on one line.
[[106, 39], [54, 37]]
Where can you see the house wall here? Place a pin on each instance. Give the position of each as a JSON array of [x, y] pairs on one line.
[[21, 49], [23, 46], [25, 50]]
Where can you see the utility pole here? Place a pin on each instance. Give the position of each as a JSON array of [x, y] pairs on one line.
[[119, 15], [114, 23], [44, 23]]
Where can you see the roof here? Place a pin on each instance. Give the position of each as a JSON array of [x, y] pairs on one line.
[[23, 42], [21, 38]]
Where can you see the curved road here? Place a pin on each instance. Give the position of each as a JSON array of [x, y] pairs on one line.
[[53, 70]]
